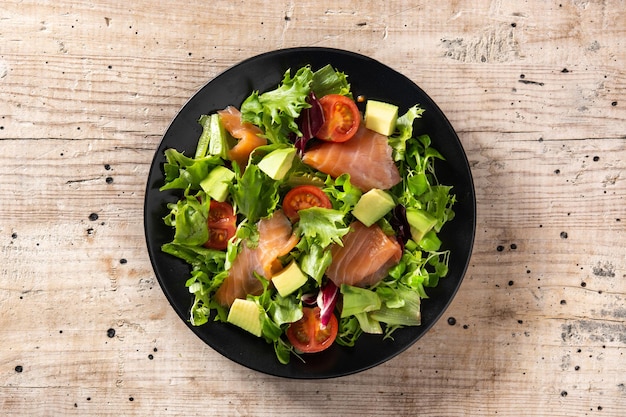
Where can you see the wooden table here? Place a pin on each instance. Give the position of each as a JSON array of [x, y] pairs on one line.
[[537, 93]]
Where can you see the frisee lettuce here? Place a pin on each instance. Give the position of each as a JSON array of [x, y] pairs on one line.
[[276, 111], [254, 193], [324, 226], [182, 172]]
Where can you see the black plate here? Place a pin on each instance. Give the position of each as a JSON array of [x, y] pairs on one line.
[[372, 80]]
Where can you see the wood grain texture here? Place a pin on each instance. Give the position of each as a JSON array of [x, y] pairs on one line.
[[537, 93]]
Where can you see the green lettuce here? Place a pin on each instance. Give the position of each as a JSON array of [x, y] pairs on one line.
[[189, 216], [276, 111], [324, 226], [404, 131], [342, 193], [255, 194], [182, 172], [327, 80]]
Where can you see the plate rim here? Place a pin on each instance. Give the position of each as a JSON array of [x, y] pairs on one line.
[[274, 54]]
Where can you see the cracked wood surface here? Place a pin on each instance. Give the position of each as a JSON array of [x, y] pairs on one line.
[[537, 93]]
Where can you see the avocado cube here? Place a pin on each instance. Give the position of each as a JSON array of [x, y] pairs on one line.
[[420, 222], [247, 315], [372, 206], [289, 279], [277, 163], [381, 117], [216, 183]]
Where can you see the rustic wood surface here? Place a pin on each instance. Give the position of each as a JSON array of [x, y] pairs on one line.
[[537, 92]]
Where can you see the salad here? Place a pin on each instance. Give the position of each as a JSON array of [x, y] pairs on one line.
[[305, 220]]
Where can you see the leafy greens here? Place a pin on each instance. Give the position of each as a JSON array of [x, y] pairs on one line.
[[393, 302]]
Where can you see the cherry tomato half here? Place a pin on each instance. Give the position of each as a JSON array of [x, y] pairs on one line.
[[307, 334], [222, 223], [341, 118], [303, 197]]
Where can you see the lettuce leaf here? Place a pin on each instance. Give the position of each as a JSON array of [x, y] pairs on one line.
[[327, 80], [276, 111], [314, 260], [182, 172], [322, 225], [404, 131], [189, 216], [342, 193], [255, 194]]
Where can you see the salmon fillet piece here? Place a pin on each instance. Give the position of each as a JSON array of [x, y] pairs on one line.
[[248, 135], [367, 157], [276, 239], [365, 258]]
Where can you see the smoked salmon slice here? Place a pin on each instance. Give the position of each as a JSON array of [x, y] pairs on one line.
[[276, 238], [248, 135], [365, 257], [367, 157]]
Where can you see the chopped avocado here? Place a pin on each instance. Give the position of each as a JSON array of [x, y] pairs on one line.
[[289, 279], [277, 163], [247, 315], [372, 206], [381, 117], [216, 183], [214, 140], [420, 222]]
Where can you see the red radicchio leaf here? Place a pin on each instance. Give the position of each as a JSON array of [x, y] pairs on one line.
[[309, 298], [326, 300], [310, 121], [400, 225]]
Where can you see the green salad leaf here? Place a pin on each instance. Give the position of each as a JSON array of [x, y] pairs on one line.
[[323, 225], [182, 172], [327, 80], [188, 216], [254, 193], [276, 111]]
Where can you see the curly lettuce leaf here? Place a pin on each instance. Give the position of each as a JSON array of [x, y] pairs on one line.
[[254, 193], [189, 216], [276, 111], [342, 193], [315, 259], [404, 131], [182, 172], [323, 226]]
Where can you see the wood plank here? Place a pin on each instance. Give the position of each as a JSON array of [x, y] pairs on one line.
[[536, 93]]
